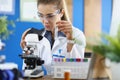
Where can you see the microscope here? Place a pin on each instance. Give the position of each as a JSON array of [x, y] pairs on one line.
[[33, 62]]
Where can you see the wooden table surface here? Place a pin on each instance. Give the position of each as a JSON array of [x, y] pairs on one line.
[[48, 78]]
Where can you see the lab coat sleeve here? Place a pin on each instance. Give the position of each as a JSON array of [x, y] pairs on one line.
[[78, 48], [77, 51]]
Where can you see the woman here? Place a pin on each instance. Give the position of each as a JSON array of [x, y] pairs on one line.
[[59, 34]]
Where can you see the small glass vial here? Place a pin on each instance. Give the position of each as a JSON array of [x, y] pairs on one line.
[[66, 74]]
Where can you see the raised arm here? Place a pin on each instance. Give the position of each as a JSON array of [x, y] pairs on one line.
[[22, 43]]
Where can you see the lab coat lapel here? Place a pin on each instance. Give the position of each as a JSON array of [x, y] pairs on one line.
[[58, 42]]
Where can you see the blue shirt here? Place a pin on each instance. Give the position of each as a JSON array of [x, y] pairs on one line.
[[48, 35]]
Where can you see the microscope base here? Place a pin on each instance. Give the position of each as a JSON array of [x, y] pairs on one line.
[[34, 73]]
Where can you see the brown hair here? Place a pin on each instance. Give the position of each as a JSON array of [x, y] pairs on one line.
[[61, 4]]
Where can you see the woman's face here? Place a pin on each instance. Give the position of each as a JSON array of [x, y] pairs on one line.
[[49, 15]]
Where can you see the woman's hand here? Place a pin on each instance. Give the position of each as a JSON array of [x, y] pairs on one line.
[[23, 43], [66, 28]]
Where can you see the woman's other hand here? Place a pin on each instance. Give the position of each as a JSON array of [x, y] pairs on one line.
[[66, 28], [23, 43]]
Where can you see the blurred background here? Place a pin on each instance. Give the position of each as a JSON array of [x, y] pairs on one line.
[[90, 16]]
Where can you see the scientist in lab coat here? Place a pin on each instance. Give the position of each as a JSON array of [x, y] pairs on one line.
[[60, 38]]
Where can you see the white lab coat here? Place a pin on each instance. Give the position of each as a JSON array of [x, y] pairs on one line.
[[61, 43], [77, 51]]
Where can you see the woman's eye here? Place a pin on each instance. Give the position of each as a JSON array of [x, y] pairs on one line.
[[50, 16], [40, 15]]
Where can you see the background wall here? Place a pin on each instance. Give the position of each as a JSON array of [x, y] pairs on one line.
[[97, 17], [13, 49]]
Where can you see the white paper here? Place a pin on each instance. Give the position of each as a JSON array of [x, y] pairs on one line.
[[6, 6], [115, 17], [29, 11]]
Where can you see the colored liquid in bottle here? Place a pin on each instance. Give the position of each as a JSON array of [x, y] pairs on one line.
[[67, 75]]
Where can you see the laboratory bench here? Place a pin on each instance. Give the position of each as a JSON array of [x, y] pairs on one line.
[[89, 76], [50, 78]]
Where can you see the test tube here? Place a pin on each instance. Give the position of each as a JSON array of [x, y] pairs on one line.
[[56, 32]]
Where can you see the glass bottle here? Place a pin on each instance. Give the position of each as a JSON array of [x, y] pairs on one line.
[[67, 75]]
